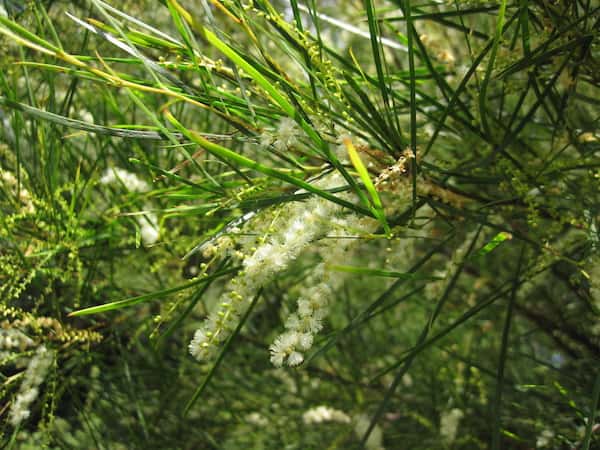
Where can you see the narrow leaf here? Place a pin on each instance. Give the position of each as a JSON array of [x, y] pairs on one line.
[[366, 179], [383, 273], [146, 297]]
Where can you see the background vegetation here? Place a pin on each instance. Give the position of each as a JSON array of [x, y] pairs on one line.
[[422, 174]]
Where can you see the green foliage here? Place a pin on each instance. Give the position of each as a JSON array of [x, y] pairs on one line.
[[376, 222]]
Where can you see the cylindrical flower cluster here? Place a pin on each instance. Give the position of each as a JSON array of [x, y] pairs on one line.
[[35, 375], [301, 326], [148, 223], [301, 224], [12, 343]]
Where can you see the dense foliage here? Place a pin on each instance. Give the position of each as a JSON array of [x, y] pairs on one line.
[[266, 224]]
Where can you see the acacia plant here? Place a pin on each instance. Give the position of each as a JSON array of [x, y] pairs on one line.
[[273, 224]]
